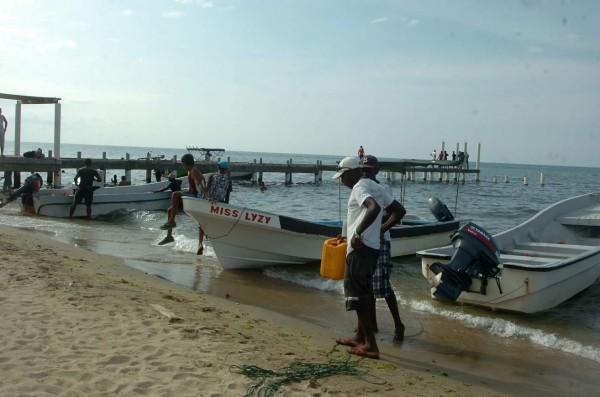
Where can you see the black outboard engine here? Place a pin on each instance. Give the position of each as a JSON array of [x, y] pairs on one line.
[[439, 210], [476, 256]]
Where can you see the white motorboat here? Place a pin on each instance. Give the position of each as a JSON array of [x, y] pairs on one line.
[[532, 267], [212, 156], [248, 238], [107, 200]]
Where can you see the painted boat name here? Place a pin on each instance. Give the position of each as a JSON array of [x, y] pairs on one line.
[[234, 213]]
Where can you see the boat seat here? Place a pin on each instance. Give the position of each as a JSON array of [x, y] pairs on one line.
[[521, 259], [589, 220], [539, 254], [557, 248]]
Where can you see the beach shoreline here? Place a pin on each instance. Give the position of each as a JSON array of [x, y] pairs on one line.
[[80, 323]]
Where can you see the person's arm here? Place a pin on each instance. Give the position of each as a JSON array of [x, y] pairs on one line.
[[396, 212], [229, 189], [371, 216], [97, 177], [5, 123], [199, 181], [76, 177]]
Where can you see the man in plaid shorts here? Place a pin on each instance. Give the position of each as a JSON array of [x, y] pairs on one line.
[[382, 289]]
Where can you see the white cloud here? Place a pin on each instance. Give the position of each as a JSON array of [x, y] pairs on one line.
[[126, 13], [410, 22], [171, 14], [380, 20], [208, 4]]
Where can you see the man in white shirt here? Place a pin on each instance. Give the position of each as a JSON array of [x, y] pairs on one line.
[[364, 228]]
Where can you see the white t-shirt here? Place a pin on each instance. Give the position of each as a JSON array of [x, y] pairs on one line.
[[364, 189]]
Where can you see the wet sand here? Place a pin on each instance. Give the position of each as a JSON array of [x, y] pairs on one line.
[[78, 323]]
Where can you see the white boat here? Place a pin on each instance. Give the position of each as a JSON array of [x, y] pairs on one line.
[[539, 263], [212, 156], [107, 200], [248, 238]]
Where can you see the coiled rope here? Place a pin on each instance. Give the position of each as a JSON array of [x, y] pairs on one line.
[[269, 381]]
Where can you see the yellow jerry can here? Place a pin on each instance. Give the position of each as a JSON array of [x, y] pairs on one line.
[[333, 259]]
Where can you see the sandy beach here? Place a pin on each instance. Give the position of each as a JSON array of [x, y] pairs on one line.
[[75, 323]]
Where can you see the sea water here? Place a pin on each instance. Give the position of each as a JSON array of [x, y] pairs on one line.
[[572, 327]]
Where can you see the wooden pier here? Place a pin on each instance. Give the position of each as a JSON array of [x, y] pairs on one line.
[[53, 168]]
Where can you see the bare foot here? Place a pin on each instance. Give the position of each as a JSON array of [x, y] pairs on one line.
[[399, 333]]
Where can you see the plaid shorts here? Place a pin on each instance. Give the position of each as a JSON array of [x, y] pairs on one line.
[[382, 288]]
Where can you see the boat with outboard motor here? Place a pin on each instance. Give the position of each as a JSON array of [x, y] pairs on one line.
[[248, 238], [529, 268]]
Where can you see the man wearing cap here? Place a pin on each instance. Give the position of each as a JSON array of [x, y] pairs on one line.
[[364, 227], [174, 184], [382, 288]]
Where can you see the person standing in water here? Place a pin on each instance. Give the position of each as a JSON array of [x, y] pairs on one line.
[[85, 190]]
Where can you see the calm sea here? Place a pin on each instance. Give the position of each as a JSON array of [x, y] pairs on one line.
[[572, 328]]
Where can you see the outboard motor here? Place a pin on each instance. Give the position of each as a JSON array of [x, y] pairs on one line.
[[476, 256], [439, 210]]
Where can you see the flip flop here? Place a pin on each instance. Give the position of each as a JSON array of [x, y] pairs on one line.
[[347, 342], [359, 351]]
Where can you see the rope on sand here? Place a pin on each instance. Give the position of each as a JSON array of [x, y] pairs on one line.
[[269, 381]]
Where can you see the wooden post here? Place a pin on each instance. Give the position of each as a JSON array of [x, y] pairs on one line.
[[127, 172], [319, 173], [288, 174]]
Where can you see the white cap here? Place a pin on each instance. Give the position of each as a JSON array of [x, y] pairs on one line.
[[349, 163]]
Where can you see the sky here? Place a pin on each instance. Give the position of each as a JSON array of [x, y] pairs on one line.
[[518, 78]]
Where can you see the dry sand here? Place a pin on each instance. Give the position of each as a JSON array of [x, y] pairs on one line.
[[75, 323]]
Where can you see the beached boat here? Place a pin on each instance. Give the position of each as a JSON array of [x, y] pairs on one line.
[[107, 200], [247, 238], [532, 267]]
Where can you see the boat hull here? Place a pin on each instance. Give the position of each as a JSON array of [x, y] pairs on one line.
[[544, 261], [107, 200], [248, 238]]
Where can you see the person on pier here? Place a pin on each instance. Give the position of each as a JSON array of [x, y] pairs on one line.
[[361, 152], [196, 188], [3, 126], [85, 189]]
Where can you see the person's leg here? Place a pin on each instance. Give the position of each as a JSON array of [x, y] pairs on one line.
[[175, 199], [76, 200], [169, 237], [364, 321], [392, 303], [200, 241], [358, 289], [89, 198]]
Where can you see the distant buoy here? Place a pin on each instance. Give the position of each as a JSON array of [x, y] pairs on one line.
[[525, 181], [542, 182], [506, 179]]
